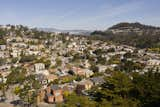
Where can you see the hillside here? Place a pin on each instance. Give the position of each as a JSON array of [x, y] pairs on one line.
[[132, 25], [135, 34]]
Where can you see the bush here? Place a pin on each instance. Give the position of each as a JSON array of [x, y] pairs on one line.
[[28, 58]]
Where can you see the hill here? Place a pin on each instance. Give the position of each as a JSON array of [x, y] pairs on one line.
[[134, 34]]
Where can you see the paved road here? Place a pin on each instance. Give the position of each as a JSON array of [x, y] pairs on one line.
[[6, 105], [46, 105]]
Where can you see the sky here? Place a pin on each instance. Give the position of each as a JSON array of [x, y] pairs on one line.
[[78, 14]]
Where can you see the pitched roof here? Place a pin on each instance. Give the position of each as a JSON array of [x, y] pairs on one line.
[[55, 87]]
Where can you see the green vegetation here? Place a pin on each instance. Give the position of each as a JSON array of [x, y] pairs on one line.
[[67, 79], [58, 62], [129, 66], [146, 39], [44, 60], [28, 93], [101, 60], [122, 91], [94, 68], [28, 58], [2, 42], [17, 75], [74, 100], [14, 60], [2, 33], [156, 49], [115, 92], [2, 61], [114, 60], [147, 89]]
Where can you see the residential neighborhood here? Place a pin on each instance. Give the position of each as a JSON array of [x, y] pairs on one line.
[[39, 67]]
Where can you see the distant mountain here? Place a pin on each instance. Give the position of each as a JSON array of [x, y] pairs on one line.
[[76, 32], [135, 34], [138, 25], [136, 28], [48, 29]]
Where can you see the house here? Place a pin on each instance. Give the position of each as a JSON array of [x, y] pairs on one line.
[[42, 79], [2, 47], [15, 53], [33, 47], [80, 88], [4, 54], [53, 60], [102, 68], [153, 62], [41, 96], [19, 45], [51, 77], [78, 71], [29, 40], [30, 52], [97, 80], [54, 94], [50, 98], [68, 87], [86, 64], [72, 45], [5, 67], [40, 69], [17, 39], [88, 72], [83, 85], [61, 73]]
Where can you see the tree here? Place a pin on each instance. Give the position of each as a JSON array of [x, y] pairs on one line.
[[44, 60], [58, 62], [129, 66], [2, 61], [17, 75], [14, 60], [74, 100], [2, 42], [148, 88], [114, 60], [30, 90], [115, 92], [94, 68], [101, 60], [17, 90], [28, 58]]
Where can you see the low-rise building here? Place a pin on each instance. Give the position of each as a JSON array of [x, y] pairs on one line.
[[97, 80], [83, 85], [40, 69], [54, 94], [2, 47], [153, 62]]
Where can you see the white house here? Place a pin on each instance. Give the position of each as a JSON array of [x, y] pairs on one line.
[[88, 72], [2, 47], [153, 62], [40, 69], [102, 68], [15, 53], [39, 66]]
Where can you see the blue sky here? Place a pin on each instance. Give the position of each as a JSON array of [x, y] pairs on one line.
[[79, 14]]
